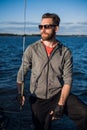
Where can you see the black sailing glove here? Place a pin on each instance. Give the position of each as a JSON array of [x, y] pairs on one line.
[[19, 99], [58, 112]]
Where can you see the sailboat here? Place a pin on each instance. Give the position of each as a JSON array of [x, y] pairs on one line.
[[21, 119]]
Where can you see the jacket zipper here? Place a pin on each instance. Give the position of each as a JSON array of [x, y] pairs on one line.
[[47, 78], [48, 70]]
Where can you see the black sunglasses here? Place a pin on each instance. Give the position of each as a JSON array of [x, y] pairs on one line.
[[46, 26]]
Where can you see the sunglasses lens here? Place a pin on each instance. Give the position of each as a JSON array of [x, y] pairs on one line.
[[46, 26], [40, 26]]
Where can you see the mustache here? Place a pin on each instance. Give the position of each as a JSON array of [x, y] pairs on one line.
[[44, 33]]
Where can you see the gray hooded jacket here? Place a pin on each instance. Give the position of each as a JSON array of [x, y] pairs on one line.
[[48, 74]]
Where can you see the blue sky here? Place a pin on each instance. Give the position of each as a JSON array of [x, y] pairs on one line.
[[73, 14]]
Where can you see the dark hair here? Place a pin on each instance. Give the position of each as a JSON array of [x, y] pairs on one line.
[[55, 17]]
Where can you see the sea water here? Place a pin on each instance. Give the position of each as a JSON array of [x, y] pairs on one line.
[[11, 52]]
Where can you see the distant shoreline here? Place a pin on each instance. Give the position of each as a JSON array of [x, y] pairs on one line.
[[9, 34]]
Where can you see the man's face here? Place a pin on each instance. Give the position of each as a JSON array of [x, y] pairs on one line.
[[47, 32]]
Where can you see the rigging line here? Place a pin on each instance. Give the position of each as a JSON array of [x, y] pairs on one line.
[[24, 36], [22, 86], [22, 89]]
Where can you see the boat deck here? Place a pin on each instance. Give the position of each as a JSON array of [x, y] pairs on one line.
[[22, 120]]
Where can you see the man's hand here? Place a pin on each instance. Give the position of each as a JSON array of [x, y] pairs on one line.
[[21, 99], [20, 96], [58, 112]]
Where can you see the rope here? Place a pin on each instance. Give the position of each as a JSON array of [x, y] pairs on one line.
[[12, 112], [5, 111]]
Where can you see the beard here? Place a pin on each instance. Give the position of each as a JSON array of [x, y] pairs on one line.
[[47, 37]]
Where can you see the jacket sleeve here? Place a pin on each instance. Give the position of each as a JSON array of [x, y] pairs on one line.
[[25, 66], [68, 68]]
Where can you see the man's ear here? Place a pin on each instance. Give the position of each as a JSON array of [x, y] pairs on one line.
[[57, 28]]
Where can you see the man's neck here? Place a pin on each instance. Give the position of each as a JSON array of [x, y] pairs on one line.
[[50, 44]]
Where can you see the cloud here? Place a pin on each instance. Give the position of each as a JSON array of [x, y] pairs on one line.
[[73, 28], [32, 28], [17, 23], [82, 23], [18, 27]]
